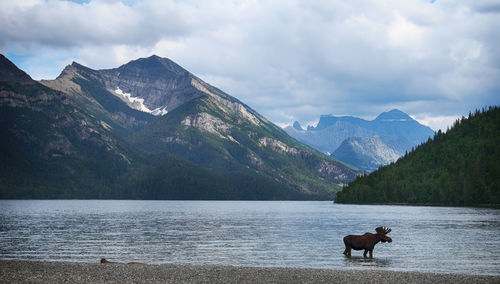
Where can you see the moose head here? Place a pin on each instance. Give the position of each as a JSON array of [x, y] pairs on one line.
[[383, 231], [366, 241]]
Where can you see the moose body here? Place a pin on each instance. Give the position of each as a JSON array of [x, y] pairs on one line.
[[366, 241]]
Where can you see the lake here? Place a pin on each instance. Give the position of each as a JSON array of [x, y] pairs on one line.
[[250, 233]]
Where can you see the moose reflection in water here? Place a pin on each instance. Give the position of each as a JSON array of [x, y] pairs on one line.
[[366, 241]]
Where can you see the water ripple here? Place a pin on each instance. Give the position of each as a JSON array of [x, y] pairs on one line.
[[291, 234]]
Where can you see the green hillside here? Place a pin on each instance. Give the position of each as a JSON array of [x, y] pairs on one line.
[[459, 167], [49, 148]]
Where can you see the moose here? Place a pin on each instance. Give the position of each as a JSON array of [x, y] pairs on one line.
[[366, 241]]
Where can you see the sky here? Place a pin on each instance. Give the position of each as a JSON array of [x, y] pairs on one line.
[[290, 60]]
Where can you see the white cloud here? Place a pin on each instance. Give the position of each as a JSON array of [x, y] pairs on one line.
[[402, 32], [465, 51], [440, 122], [288, 59]]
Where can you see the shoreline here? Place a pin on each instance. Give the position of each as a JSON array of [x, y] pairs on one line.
[[487, 205], [22, 271]]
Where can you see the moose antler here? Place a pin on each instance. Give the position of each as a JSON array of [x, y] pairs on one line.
[[383, 230]]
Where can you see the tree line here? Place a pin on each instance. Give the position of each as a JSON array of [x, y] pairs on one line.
[[457, 167]]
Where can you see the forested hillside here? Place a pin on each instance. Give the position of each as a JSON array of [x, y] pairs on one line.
[[459, 167]]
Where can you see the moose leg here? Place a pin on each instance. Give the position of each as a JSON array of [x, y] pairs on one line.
[[371, 253], [364, 254], [347, 250]]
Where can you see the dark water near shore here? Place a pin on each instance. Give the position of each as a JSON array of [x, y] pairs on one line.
[[250, 233]]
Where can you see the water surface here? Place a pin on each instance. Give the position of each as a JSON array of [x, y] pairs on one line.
[[250, 233]]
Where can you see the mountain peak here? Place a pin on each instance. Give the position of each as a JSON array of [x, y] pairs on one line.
[[297, 126], [393, 115], [328, 120], [154, 66], [79, 66], [10, 72], [72, 69], [151, 59]]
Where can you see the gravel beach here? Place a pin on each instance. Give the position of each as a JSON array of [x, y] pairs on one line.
[[59, 272]]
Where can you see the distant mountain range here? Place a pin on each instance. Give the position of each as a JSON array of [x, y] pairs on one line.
[[459, 167], [364, 144], [148, 129]]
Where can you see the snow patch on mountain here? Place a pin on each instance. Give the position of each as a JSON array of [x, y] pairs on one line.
[[138, 103], [159, 111]]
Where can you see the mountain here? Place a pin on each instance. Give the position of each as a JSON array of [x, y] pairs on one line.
[[215, 130], [48, 144], [328, 139], [297, 126], [398, 131], [366, 153], [459, 167], [326, 121], [182, 138], [10, 74], [87, 88], [396, 123], [159, 82]]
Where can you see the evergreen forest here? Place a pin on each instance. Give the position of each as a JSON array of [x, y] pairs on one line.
[[460, 167]]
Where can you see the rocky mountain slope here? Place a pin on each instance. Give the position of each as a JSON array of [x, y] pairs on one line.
[[160, 83], [217, 131], [372, 143], [191, 140], [87, 88], [366, 153]]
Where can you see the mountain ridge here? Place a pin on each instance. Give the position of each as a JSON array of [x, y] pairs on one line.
[[9, 72], [393, 115], [207, 138], [400, 132]]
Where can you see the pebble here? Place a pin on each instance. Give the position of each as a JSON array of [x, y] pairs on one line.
[[14, 271]]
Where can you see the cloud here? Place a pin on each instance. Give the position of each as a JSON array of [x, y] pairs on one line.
[[402, 32], [67, 24], [440, 122], [288, 59]]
